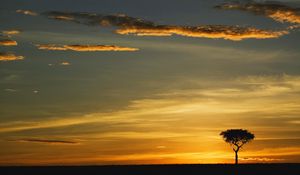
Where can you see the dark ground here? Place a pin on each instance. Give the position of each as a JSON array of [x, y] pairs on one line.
[[203, 169]]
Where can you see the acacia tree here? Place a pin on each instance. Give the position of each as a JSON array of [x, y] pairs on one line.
[[237, 138]]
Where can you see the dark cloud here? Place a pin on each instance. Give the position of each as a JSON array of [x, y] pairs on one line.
[[91, 48], [98, 19], [85, 48], [278, 12], [46, 141], [136, 26]]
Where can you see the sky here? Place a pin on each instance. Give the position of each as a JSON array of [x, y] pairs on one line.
[[148, 82]]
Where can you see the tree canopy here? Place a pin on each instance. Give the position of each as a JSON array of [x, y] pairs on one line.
[[237, 138]]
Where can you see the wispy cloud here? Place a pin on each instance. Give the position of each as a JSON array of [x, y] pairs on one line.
[[260, 159], [46, 141], [10, 90], [136, 26], [9, 57], [8, 42], [66, 18], [278, 12], [27, 12], [50, 47], [85, 48]]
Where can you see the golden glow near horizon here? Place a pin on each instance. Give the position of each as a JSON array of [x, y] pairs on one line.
[[176, 127], [151, 86]]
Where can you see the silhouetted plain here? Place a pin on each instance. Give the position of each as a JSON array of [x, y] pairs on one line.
[[203, 169]]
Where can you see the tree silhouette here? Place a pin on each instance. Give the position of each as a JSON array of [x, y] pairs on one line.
[[237, 138]]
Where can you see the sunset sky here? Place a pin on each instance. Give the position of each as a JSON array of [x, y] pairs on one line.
[[148, 82]]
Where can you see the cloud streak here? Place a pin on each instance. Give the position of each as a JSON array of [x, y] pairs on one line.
[[278, 12], [8, 42], [85, 48], [9, 57], [91, 48], [139, 27], [27, 12], [46, 141], [11, 32], [50, 47], [234, 33], [261, 159]]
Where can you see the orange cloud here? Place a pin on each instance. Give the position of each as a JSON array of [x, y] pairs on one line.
[[139, 27], [234, 33], [278, 12], [65, 63], [8, 42], [9, 57], [27, 12], [85, 48]]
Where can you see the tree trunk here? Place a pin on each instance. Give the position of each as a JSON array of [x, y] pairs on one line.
[[236, 157]]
